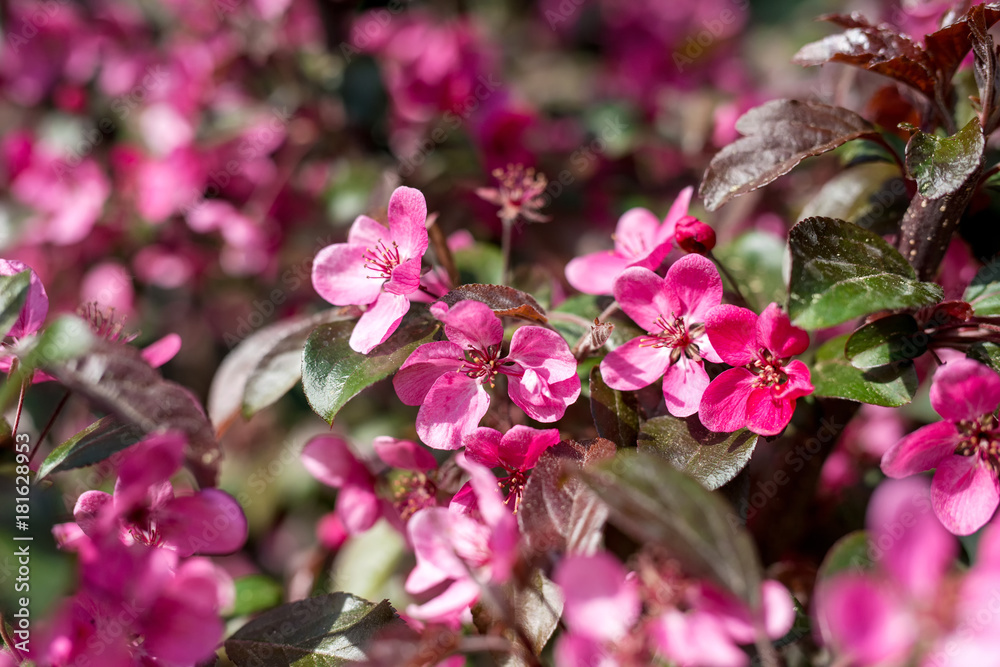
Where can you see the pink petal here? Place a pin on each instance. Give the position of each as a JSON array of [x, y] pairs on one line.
[[422, 369], [540, 399], [684, 383], [407, 221], [732, 331], [368, 233], [964, 493], [645, 297], [723, 407], [988, 553], [452, 408], [339, 275], [36, 306], [634, 365], [574, 650], [595, 273], [358, 507], [635, 234], [696, 638], [331, 532], [405, 278], [88, 509], [696, 287], [208, 522], [489, 499], [599, 601], [799, 382], [148, 463], [915, 547], [403, 454], [521, 446], [378, 322], [543, 350], [330, 460], [470, 324], [965, 389], [160, 352], [678, 210], [778, 608], [429, 530], [767, 413], [776, 333], [864, 621], [921, 450], [483, 446], [449, 605]]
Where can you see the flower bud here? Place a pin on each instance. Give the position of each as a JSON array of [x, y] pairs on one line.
[[694, 236]]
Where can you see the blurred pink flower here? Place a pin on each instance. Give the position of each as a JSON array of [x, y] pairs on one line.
[[516, 451], [377, 267], [447, 378], [760, 392], [674, 311]]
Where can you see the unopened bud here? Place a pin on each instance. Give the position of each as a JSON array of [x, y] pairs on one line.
[[693, 235]]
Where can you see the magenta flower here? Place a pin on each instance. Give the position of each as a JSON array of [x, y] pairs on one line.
[[964, 446], [36, 306], [456, 550], [516, 451], [640, 240], [673, 310], [760, 394], [448, 379], [377, 267], [143, 509]]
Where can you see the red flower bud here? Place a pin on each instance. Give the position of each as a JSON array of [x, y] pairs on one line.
[[694, 236]]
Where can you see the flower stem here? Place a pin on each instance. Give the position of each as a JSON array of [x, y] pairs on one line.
[[508, 224], [48, 426], [729, 277]]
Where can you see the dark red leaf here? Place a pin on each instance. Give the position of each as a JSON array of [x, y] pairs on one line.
[[505, 301]]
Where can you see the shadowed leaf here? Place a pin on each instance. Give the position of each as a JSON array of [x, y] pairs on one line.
[[711, 458], [102, 439], [615, 412]]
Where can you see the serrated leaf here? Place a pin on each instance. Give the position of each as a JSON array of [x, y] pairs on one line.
[[754, 259], [323, 631], [254, 593], [941, 165], [615, 412], [559, 512], [711, 458], [655, 503], [227, 395], [504, 301], [777, 136], [101, 440], [887, 340], [333, 373], [848, 554], [983, 293], [117, 379], [872, 195], [834, 376], [841, 271], [13, 296]]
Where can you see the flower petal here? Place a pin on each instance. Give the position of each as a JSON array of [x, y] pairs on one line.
[[696, 288], [408, 221], [723, 407], [635, 234], [540, 399], [645, 297], [964, 493], [864, 620], [368, 233], [422, 369], [684, 383], [696, 638], [595, 273], [452, 408], [483, 446], [732, 331], [634, 365], [339, 275], [542, 350], [209, 522], [678, 210], [160, 352], [358, 507], [403, 454], [88, 509], [378, 322], [405, 278], [521, 446], [768, 413], [965, 389], [36, 306], [330, 460], [921, 450], [470, 324], [600, 601], [776, 333]]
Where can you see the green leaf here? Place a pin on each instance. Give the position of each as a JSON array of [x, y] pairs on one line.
[[983, 293], [615, 412], [833, 375], [871, 195], [941, 165], [323, 631], [887, 340], [254, 593], [655, 503], [711, 458], [848, 554], [841, 271], [754, 259], [985, 353], [13, 296], [333, 373], [102, 439]]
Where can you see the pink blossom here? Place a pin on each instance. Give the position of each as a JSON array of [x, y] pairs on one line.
[[673, 310], [448, 379], [516, 451], [963, 446], [601, 602], [144, 510], [760, 393], [640, 240], [457, 552], [377, 267], [36, 306]]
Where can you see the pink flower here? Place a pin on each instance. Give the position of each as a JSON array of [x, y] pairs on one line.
[[457, 551], [601, 602], [760, 394], [673, 310], [36, 306], [516, 451], [448, 379], [377, 267], [143, 509], [329, 459], [640, 240], [963, 446]]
